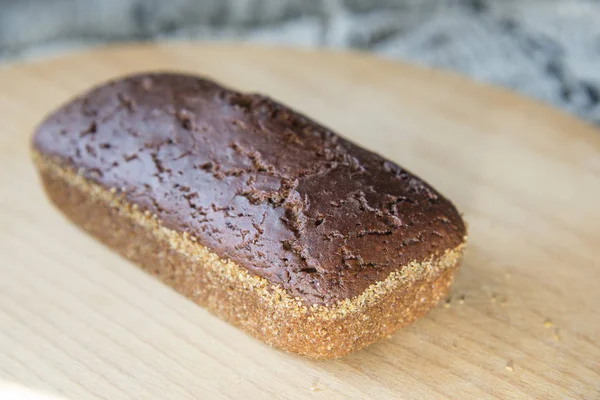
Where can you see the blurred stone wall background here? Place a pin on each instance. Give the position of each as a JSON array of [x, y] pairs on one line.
[[546, 49]]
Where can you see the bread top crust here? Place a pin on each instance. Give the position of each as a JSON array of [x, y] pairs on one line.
[[254, 181]]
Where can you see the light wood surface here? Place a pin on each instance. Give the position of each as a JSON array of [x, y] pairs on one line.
[[523, 319]]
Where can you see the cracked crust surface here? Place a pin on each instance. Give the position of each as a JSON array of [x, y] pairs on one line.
[[231, 292], [283, 198]]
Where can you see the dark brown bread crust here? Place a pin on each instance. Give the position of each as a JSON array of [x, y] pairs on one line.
[[254, 182]]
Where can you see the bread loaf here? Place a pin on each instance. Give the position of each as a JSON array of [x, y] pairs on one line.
[[269, 220]]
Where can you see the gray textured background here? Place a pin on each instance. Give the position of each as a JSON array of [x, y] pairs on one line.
[[547, 49]]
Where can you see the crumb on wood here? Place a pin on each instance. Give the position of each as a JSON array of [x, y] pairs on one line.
[[447, 302], [461, 299], [510, 366], [547, 323], [315, 386]]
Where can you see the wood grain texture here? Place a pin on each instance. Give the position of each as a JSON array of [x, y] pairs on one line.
[[79, 322]]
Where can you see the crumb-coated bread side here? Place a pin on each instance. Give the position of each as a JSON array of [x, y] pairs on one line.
[[251, 184]]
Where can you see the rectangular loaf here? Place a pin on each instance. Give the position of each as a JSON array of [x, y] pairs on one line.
[[266, 218]]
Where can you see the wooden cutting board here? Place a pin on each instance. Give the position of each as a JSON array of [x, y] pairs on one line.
[[523, 318]]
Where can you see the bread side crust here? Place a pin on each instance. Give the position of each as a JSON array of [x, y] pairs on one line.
[[229, 291]]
